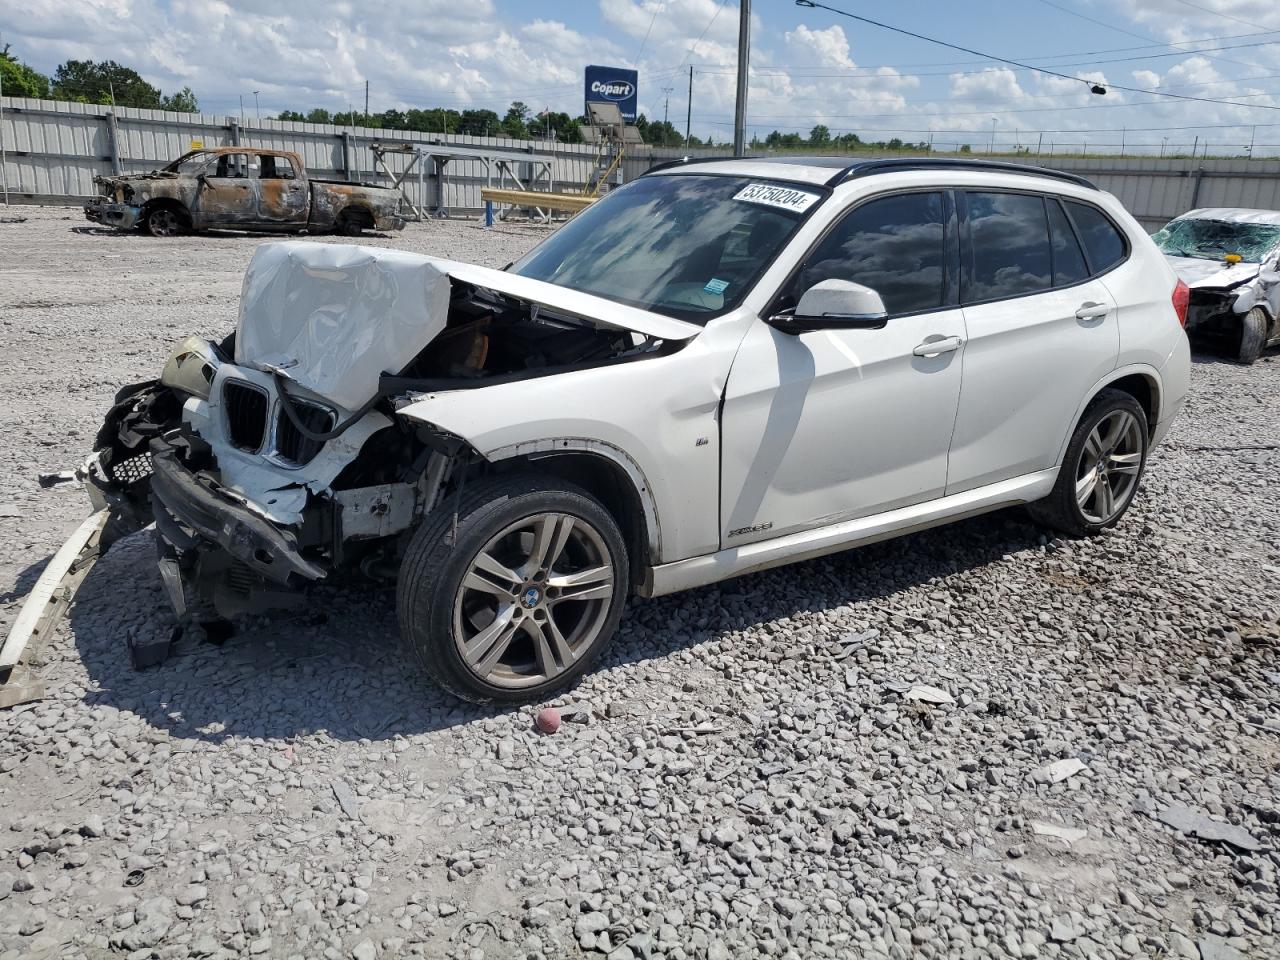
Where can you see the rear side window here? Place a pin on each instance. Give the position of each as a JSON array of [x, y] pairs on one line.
[[1009, 244], [895, 245], [1068, 262], [1103, 243]]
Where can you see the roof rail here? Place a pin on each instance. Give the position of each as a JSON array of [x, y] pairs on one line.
[[867, 168], [685, 161]]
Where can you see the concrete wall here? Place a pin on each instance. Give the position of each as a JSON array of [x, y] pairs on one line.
[[55, 149]]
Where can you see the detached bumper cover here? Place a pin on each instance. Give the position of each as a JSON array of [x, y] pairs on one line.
[[125, 216], [193, 502]]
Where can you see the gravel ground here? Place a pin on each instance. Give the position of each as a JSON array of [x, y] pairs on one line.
[[750, 771]]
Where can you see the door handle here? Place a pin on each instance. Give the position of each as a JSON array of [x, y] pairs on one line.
[[1092, 311], [933, 348]]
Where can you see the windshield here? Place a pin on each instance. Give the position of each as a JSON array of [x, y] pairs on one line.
[[190, 163], [685, 246], [1214, 239]]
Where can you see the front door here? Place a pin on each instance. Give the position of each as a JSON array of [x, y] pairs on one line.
[[228, 193], [831, 425]]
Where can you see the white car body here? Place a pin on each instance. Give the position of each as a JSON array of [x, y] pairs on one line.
[[733, 446]]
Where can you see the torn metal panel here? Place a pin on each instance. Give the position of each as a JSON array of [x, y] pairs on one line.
[[377, 511]]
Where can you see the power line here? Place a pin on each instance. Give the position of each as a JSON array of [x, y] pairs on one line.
[[657, 8], [1095, 88], [1218, 13]]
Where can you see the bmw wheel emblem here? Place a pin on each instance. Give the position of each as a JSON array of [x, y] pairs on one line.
[[531, 597]]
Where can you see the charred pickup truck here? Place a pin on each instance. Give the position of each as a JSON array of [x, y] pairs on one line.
[[1230, 260], [241, 188]]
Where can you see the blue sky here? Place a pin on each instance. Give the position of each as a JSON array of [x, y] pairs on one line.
[[809, 66]]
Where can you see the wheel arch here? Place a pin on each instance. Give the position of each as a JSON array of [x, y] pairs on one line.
[[1140, 381], [171, 203], [356, 211], [610, 475]]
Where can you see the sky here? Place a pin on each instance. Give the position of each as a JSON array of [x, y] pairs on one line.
[[808, 66]]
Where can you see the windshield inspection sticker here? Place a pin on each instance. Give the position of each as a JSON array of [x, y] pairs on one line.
[[715, 285], [786, 198]]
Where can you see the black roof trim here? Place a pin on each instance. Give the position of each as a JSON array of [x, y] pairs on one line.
[[867, 168], [853, 170]]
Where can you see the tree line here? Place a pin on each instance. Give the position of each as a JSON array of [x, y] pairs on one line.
[[85, 81]]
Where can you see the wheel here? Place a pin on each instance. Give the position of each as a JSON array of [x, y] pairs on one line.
[[517, 596], [1254, 327], [1102, 467], [348, 226], [165, 222]]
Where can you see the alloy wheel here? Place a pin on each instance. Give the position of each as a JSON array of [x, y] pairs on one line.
[[1110, 463], [533, 600]]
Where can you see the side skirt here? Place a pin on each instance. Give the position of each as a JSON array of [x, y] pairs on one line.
[[750, 558]]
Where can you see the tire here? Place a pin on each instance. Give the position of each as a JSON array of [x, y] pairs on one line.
[[165, 222], [1254, 327], [447, 623], [1079, 508], [349, 226]]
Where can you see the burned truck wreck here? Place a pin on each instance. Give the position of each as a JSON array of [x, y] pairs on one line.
[[296, 450]]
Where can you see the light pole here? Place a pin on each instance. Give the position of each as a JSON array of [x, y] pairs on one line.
[[740, 98], [257, 114]]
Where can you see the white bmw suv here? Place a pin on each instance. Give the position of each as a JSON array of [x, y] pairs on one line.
[[718, 368]]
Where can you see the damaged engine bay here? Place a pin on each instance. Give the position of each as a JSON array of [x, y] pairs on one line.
[[277, 457]]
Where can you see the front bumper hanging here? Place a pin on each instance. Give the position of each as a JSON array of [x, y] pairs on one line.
[[43, 608]]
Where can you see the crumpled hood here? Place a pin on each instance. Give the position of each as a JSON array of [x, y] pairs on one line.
[[1196, 272], [335, 317]]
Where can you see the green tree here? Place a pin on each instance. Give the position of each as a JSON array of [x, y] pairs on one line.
[[515, 123], [184, 101], [19, 80], [104, 82], [820, 136], [319, 115], [292, 115]]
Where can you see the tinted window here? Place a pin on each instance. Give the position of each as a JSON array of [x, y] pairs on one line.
[[895, 245], [1068, 262], [1102, 241], [1010, 246]]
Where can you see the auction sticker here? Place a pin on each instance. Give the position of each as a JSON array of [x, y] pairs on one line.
[[771, 195]]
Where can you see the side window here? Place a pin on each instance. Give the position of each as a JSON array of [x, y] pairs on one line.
[[895, 245], [275, 168], [1102, 241], [1068, 262], [233, 165], [1009, 241]]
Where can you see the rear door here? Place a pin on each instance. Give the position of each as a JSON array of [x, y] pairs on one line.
[[228, 193], [1042, 331], [282, 192]]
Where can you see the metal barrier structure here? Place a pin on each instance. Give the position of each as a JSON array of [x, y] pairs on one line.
[[505, 164]]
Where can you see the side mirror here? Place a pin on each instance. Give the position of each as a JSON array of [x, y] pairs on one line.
[[835, 305]]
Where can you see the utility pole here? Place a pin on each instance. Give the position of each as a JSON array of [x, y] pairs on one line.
[[257, 113], [992, 148], [1163, 143], [1122, 129], [111, 88], [366, 103], [688, 116], [241, 109], [740, 104], [1040, 143], [1195, 146], [1253, 133], [666, 108]]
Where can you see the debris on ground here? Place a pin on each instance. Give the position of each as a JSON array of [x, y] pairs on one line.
[[548, 720], [1194, 823], [1061, 770]]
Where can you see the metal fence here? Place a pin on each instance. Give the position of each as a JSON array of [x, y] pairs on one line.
[[54, 150]]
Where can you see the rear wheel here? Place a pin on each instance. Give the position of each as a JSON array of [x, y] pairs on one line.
[[1254, 327], [165, 222], [1102, 467], [515, 597], [351, 223]]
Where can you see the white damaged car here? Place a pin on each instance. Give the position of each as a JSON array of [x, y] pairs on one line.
[[1230, 258], [718, 368]]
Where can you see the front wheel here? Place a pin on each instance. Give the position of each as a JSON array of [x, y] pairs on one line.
[[1102, 467], [513, 597], [1254, 327], [165, 222]]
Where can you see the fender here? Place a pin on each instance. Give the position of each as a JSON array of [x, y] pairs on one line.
[[598, 448], [1119, 373]]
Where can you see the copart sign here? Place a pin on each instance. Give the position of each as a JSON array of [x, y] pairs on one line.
[[613, 85]]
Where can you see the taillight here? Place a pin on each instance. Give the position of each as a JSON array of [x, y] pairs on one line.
[[1181, 298]]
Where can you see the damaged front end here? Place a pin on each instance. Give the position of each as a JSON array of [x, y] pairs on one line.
[[1224, 292], [277, 458]]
